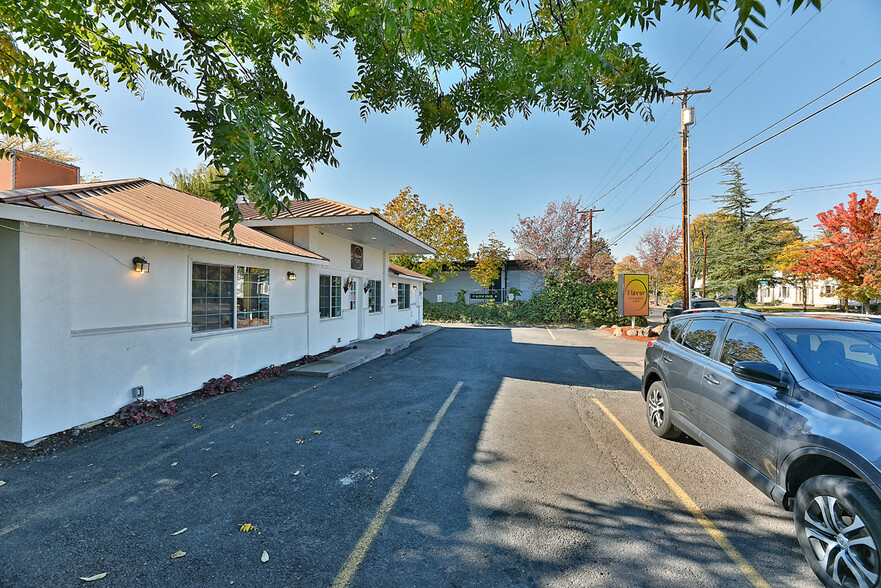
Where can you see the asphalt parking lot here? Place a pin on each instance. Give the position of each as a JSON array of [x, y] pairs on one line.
[[479, 456]]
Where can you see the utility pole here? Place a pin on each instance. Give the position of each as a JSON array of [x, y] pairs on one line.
[[687, 120], [704, 281], [590, 214]]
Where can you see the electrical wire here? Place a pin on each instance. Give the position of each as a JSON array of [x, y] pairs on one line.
[[634, 172], [777, 134]]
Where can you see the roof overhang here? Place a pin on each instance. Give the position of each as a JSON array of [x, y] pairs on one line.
[[395, 273], [69, 221], [368, 229]]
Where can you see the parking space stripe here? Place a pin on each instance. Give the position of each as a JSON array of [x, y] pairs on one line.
[[350, 568], [750, 572], [551, 333]]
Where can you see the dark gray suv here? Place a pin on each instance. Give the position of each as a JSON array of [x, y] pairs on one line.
[[793, 403]]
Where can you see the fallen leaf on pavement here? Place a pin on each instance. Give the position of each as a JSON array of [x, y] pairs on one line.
[[179, 532], [316, 432], [178, 554], [197, 426], [247, 527], [212, 475], [173, 464], [93, 578], [265, 557], [297, 473], [2, 483]]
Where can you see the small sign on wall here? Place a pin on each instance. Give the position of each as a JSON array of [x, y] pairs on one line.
[[357, 257], [440, 297]]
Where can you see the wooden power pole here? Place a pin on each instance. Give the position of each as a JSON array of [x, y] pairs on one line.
[[590, 214], [687, 120]]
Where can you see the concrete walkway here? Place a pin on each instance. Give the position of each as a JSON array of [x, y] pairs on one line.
[[362, 352]]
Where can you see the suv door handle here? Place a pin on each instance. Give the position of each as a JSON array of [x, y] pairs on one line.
[[711, 379], [666, 358]]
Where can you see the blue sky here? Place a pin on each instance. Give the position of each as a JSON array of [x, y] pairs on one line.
[[518, 169]]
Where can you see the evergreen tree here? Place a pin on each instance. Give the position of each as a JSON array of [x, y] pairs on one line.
[[745, 240]]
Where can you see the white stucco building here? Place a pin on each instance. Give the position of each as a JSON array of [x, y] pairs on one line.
[[113, 286], [513, 274]]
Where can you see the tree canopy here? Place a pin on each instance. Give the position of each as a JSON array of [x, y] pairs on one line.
[[200, 181], [847, 248], [491, 255], [744, 240], [456, 64], [438, 226]]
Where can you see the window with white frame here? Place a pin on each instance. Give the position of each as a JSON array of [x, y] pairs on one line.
[[221, 292], [252, 297], [374, 296], [330, 296], [403, 296]]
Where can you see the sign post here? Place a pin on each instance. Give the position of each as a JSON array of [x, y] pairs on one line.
[[633, 296]]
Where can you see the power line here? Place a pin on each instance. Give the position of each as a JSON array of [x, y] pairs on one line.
[[634, 172], [777, 134], [757, 67]]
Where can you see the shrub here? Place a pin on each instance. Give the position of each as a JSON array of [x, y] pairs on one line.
[[144, 411], [568, 298], [271, 371], [218, 386], [460, 296]]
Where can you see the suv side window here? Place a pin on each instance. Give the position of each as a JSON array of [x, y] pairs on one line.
[[743, 343], [676, 330], [702, 334]]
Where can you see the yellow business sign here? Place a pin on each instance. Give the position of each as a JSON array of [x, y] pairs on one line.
[[633, 295]]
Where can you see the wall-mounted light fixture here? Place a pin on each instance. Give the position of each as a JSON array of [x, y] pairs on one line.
[[394, 285], [414, 287], [367, 285], [292, 276], [350, 283], [141, 265]]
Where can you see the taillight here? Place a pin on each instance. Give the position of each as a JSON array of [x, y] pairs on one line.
[[650, 344]]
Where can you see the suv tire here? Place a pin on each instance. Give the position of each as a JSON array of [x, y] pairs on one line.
[[657, 409], [838, 524]]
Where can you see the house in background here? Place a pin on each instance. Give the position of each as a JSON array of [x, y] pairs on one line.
[[514, 274], [119, 289], [820, 294]]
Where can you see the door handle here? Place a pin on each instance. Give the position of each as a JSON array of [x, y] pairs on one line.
[[711, 379], [666, 359]]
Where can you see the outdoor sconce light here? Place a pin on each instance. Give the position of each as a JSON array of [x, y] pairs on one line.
[[367, 285], [141, 265], [394, 285], [414, 287], [292, 276], [350, 282]]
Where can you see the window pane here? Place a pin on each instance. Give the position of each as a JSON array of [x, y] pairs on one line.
[[210, 310], [745, 344], [252, 297], [702, 334], [676, 331]]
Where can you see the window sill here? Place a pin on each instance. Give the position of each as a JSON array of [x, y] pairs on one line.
[[228, 332]]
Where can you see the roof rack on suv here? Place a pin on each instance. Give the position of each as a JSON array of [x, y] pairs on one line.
[[745, 311], [874, 318]]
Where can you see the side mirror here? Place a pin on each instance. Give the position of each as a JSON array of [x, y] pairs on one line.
[[760, 372]]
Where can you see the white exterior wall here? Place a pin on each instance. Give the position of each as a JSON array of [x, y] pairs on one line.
[[92, 328], [790, 294]]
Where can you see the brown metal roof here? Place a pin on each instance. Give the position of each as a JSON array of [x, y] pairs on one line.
[[150, 205], [313, 208], [402, 271]]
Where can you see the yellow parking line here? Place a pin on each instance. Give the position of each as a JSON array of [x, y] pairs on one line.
[[347, 572], [714, 532], [551, 333]]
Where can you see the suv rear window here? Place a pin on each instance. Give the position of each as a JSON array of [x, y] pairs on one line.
[[706, 304], [702, 334]]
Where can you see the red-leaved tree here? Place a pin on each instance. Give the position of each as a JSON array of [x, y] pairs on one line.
[[845, 251], [559, 237], [656, 247]]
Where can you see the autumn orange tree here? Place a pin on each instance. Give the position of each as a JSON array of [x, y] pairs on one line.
[[790, 263], [491, 255], [629, 264], [845, 251], [438, 227]]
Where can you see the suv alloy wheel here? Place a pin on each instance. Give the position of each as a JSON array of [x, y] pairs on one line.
[[838, 523]]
